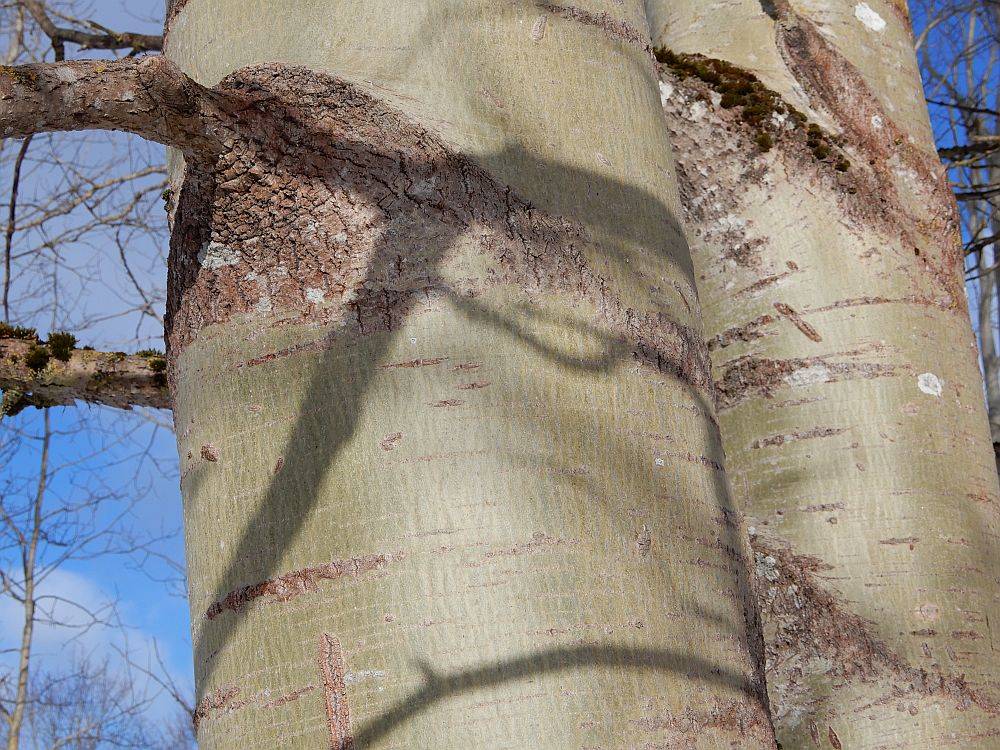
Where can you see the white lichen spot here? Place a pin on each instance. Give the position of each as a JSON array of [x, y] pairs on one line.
[[666, 91], [66, 74], [263, 305], [659, 461], [930, 384], [877, 122], [767, 567], [716, 98], [731, 224], [340, 238], [315, 295], [872, 20], [809, 376], [215, 255], [423, 189], [413, 339]]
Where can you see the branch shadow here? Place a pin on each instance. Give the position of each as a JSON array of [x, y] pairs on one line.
[[427, 199], [437, 686]]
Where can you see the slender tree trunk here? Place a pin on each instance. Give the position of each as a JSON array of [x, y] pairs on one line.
[[450, 465], [827, 256], [29, 562]]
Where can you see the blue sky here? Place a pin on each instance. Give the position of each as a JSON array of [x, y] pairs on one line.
[[126, 463]]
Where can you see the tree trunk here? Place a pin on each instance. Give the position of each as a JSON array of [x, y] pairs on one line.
[[450, 466], [826, 250]]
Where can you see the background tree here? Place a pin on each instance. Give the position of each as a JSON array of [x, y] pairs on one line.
[[959, 48]]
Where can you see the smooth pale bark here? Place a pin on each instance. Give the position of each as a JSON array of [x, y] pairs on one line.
[[853, 424], [449, 461]]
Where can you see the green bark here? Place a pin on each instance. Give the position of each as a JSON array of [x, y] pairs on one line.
[[449, 460], [853, 424]]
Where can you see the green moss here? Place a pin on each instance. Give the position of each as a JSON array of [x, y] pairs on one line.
[[61, 345], [20, 75], [729, 100], [13, 402], [759, 106], [37, 358], [7, 331]]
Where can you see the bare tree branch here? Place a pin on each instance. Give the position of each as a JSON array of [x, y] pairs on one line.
[[102, 39], [11, 221], [147, 96], [112, 379]]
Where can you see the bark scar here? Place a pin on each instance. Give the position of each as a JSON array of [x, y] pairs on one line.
[[338, 716]]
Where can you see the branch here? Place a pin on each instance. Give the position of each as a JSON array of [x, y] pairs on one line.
[[107, 39], [40, 375], [980, 147], [147, 96], [964, 108]]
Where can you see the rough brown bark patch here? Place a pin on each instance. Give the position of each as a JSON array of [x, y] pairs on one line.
[[338, 715], [813, 630], [290, 585], [617, 29]]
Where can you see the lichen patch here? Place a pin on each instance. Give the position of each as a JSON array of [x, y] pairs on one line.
[[930, 384], [214, 255]]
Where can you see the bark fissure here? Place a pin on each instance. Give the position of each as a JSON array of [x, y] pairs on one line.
[[288, 586]]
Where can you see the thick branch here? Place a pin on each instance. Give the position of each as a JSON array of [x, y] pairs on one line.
[[105, 39], [148, 96], [30, 375], [972, 149]]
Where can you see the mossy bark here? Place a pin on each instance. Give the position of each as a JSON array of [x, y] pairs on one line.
[[850, 407], [450, 465]]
